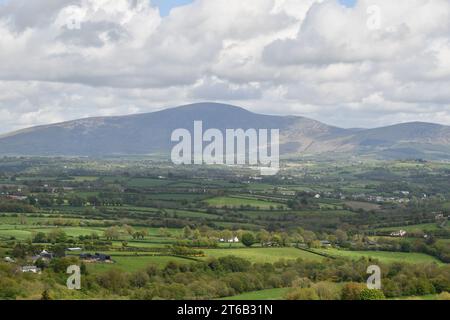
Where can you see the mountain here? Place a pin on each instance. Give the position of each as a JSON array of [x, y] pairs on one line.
[[149, 133]]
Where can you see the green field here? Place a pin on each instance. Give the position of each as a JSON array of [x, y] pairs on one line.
[[133, 263], [17, 234], [240, 201], [427, 297], [269, 294], [264, 255], [382, 256], [417, 227]]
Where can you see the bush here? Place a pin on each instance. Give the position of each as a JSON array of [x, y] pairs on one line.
[[234, 264], [369, 294], [444, 296], [248, 239], [302, 294], [352, 291]]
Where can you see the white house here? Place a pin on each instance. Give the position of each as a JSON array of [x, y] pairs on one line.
[[31, 269], [232, 240], [400, 233]]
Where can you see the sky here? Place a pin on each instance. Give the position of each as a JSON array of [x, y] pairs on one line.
[[364, 63]]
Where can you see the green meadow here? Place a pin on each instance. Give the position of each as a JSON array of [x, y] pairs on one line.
[[382, 256], [264, 255], [241, 201], [269, 294]]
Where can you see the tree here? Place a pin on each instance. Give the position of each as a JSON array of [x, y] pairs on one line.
[[352, 291], [187, 232], [326, 291], [76, 201], [112, 233], [57, 235], [163, 232], [248, 239], [40, 237], [227, 235], [128, 229], [46, 295], [19, 251], [298, 239], [369, 294], [302, 294], [139, 279], [263, 237], [341, 235], [444, 296], [309, 237]]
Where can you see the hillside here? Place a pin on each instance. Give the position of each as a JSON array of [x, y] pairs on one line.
[[149, 133]]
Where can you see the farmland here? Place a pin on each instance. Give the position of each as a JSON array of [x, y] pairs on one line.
[[146, 230], [269, 294], [235, 202], [385, 257], [264, 255]]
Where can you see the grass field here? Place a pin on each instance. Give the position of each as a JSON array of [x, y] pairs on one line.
[[264, 255], [416, 227], [427, 297], [383, 256], [238, 201], [17, 234], [269, 294], [133, 263], [356, 205]]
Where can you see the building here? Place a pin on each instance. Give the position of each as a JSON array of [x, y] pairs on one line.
[[232, 240], [8, 260], [44, 255], [325, 243], [31, 269], [97, 257], [400, 233]]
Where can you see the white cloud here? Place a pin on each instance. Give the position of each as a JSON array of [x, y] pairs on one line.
[[307, 57]]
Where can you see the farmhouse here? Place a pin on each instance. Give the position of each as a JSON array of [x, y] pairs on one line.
[[232, 240], [325, 243], [400, 233], [44, 255], [30, 269], [97, 257], [8, 260]]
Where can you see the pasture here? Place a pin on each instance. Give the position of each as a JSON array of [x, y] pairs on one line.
[[236, 202], [264, 255], [134, 263], [382, 256], [269, 294]]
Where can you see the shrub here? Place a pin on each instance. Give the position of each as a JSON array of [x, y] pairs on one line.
[[369, 294], [302, 294], [248, 239], [352, 291]]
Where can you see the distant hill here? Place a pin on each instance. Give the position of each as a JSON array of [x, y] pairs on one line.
[[148, 133]]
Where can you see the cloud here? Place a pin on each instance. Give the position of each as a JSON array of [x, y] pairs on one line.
[[65, 59]]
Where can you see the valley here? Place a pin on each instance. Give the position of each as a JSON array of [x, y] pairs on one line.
[[141, 228]]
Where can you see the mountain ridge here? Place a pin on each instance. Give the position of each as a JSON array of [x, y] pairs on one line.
[[147, 133]]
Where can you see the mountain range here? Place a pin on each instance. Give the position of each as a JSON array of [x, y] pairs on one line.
[[149, 133]]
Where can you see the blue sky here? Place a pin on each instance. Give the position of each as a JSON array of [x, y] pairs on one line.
[[348, 3], [166, 5]]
